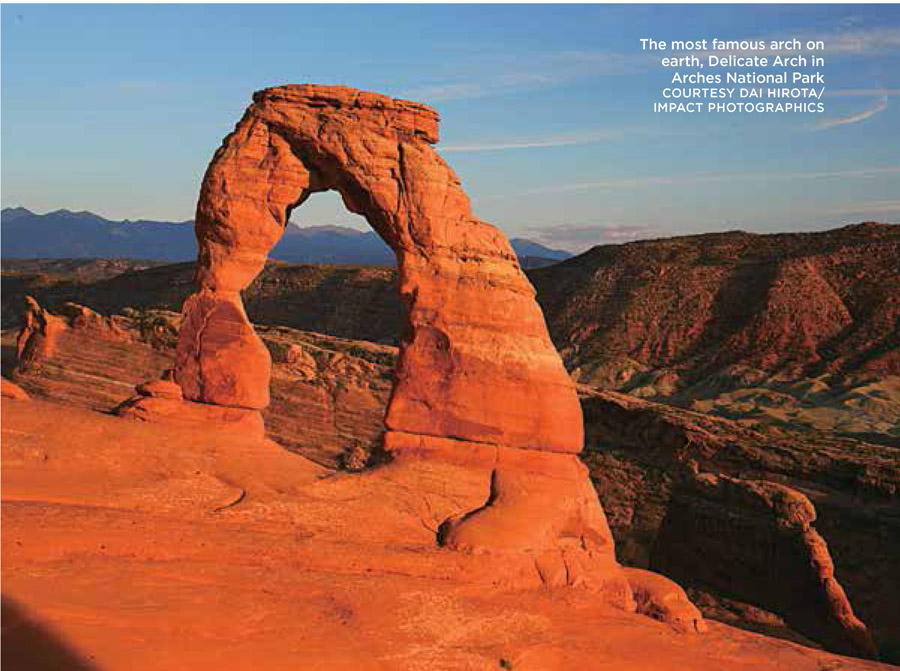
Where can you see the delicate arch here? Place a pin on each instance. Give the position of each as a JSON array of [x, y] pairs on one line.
[[476, 362]]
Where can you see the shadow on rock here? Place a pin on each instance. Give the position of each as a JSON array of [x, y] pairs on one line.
[[29, 645]]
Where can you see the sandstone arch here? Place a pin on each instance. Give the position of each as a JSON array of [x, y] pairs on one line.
[[476, 361], [478, 380]]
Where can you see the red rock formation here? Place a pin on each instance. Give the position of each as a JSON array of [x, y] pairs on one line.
[[473, 326], [660, 598], [772, 526], [79, 356], [477, 376], [746, 550], [12, 390], [37, 339], [341, 385], [220, 359], [149, 547]]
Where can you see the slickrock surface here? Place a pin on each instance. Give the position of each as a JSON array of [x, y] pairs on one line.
[[139, 546], [636, 451]]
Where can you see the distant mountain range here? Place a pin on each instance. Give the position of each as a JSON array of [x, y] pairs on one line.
[[67, 234]]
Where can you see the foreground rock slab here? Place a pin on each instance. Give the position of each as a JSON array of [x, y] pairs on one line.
[[138, 546]]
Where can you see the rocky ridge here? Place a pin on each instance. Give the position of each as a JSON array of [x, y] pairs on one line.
[[608, 306]]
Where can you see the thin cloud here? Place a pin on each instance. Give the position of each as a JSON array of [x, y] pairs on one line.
[[862, 93], [869, 207], [711, 178], [516, 73], [862, 41], [880, 106], [576, 237], [562, 141], [451, 91], [140, 86]]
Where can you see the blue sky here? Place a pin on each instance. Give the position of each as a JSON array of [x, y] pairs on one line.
[[546, 110]]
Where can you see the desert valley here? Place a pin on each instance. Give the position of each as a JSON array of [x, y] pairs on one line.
[[681, 453]]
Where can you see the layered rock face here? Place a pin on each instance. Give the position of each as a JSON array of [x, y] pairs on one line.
[[342, 386], [83, 358], [740, 517], [785, 563]]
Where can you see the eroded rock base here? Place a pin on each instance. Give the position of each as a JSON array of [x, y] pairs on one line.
[[662, 599], [540, 507], [162, 401]]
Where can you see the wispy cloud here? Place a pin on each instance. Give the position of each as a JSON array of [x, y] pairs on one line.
[[861, 41], [138, 86], [879, 106], [591, 137], [862, 93], [576, 237], [867, 207], [710, 178], [515, 73], [448, 91]]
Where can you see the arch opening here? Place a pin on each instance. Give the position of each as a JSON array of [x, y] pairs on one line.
[[320, 229]]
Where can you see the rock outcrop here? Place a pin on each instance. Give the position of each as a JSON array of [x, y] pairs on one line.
[[658, 597], [637, 452], [477, 377], [783, 564], [342, 385], [164, 398], [81, 357], [740, 536], [474, 344], [37, 339], [12, 390]]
